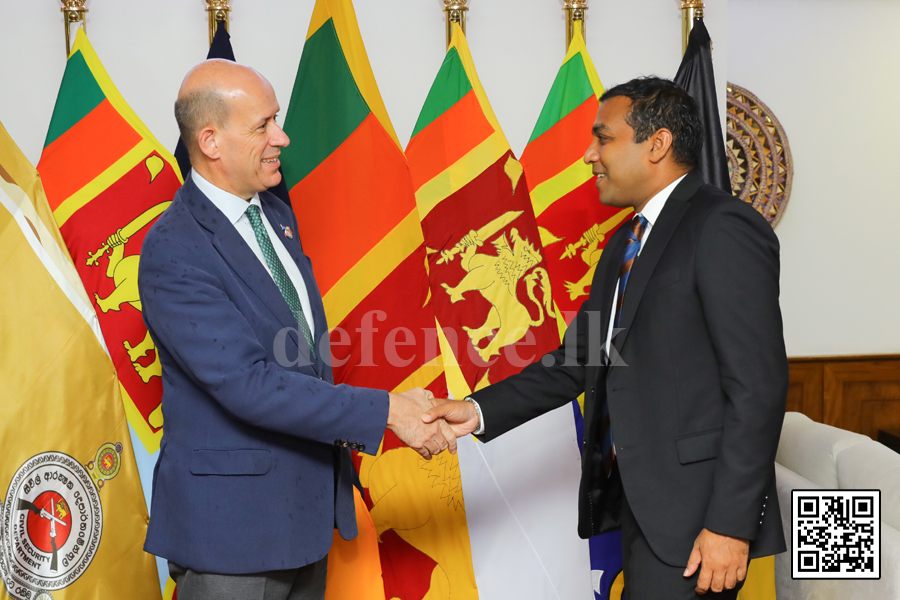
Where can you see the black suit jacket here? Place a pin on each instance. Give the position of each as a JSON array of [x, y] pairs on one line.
[[696, 386]]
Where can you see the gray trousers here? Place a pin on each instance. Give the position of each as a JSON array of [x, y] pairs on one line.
[[305, 583]]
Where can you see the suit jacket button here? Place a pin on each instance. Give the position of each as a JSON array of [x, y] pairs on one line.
[[362, 447], [345, 444], [337, 442]]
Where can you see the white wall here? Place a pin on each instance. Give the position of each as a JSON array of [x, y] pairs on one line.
[[517, 44], [830, 74], [830, 71]]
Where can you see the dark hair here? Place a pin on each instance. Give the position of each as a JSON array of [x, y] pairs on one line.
[[658, 103]]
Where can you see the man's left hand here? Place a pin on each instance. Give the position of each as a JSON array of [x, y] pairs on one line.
[[722, 560]]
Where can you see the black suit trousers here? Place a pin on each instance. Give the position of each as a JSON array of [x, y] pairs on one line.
[[649, 578]]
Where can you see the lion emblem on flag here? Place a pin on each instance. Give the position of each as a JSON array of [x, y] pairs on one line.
[[496, 278]]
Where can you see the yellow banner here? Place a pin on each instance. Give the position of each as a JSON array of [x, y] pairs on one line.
[[72, 514]]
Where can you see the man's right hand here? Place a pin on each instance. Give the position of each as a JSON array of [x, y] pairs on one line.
[[405, 420], [459, 414]]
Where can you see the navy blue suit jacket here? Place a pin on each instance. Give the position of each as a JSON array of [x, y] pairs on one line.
[[254, 470]]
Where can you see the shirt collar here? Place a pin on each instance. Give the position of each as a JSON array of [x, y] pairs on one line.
[[654, 207], [233, 207]]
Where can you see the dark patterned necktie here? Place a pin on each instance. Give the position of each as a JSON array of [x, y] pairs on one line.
[[632, 247], [279, 274]]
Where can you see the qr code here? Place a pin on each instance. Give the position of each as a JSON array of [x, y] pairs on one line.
[[836, 534]]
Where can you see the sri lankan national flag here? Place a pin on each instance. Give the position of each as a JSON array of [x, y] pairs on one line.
[[574, 225], [107, 180], [574, 228], [474, 204], [492, 295], [351, 190], [72, 515]]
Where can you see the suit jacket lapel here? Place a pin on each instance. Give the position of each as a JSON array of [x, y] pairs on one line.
[[232, 247], [601, 300], [660, 234]]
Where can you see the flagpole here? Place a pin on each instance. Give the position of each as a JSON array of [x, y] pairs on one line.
[[456, 13], [218, 13], [690, 11], [73, 12], [575, 11]]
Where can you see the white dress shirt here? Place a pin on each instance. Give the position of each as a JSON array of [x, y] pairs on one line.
[[235, 209], [651, 212]]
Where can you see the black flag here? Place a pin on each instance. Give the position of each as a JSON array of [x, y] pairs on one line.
[[695, 76]]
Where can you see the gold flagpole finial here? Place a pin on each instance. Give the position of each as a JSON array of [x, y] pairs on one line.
[[575, 11], [690, 10], [73, 12], [218, 13], [456, 13]]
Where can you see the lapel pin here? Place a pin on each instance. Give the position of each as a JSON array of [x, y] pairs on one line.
[[287, 232]]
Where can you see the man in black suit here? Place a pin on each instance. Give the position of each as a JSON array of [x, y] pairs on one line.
[[680, 355]]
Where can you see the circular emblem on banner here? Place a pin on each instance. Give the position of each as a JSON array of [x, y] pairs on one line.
[[106, 463], [51, 523], [759, 157]]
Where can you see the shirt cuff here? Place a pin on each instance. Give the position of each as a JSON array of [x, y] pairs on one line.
[[480, 429]]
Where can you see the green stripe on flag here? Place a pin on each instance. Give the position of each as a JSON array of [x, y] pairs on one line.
[[326, 105], [78, 95], [570, 89], [450, 85]]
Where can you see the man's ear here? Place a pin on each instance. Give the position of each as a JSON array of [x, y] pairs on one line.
[[662, 145], [207, 143]]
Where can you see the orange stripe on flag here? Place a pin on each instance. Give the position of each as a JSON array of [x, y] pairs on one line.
[[350, 201], [558, 147], [447, 139], [354, 567], [99, 140]]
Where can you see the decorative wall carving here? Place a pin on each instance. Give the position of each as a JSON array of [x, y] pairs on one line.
[[759, 157]]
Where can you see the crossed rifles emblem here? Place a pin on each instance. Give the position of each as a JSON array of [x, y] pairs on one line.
[[45, 514]]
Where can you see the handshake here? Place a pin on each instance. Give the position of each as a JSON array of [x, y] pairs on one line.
[[430, 425]]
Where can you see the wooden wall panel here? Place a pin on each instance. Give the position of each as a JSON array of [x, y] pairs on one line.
[[856, 393], [805, 390]]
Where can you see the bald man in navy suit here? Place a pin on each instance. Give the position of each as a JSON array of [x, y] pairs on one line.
[[254, 470]]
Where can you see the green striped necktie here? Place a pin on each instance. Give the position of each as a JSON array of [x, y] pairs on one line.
[[281, 277]]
